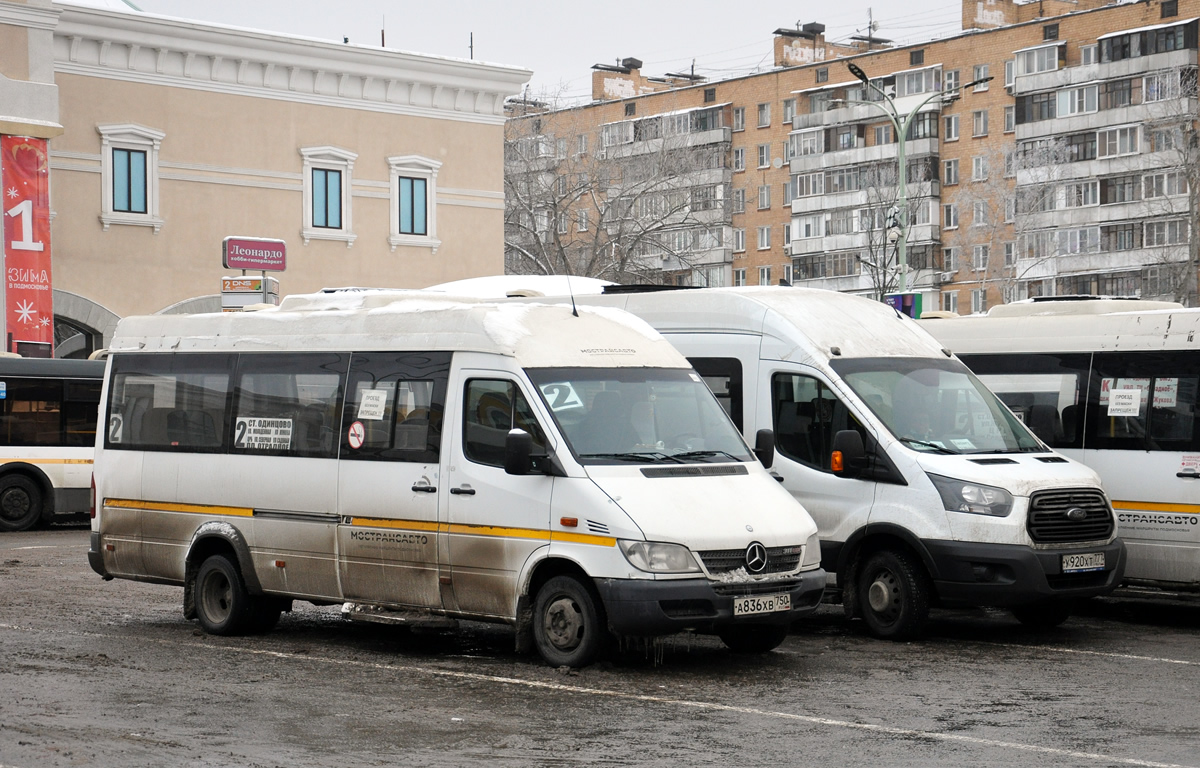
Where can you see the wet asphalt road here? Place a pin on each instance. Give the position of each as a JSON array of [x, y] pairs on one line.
[[96, 673]]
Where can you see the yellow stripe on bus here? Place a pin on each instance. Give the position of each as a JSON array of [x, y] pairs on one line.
[[410, 525], [486, 530], [49, 461], [1154, 506], [195, 509]]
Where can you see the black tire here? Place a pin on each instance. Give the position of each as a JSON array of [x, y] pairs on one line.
[[20, 503], [222, 604], [1045, 615], [753, 638], [893, 595], [264, 616], [568, 623]]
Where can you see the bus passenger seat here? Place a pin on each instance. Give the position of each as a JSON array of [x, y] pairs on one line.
[[1045, 423]]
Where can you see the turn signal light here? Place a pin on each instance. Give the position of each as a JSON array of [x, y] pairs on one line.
[[92, 507], [569, 522], [836, 462], [281, 563]]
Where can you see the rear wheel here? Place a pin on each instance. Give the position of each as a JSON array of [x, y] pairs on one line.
[[20, 503], [568, 625], [893, 595], [1045, 615], [752, 638], [222, 604]]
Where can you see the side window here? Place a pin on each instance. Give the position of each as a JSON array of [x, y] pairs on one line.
[[32, 411], [492, 407], [806, 416], [395, 404], [723, 375], [1143, 401], [1044, 391], [79, 412], [288, 404], [169, 402]]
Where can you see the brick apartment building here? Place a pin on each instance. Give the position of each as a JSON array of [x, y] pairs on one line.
[[1075, 169]]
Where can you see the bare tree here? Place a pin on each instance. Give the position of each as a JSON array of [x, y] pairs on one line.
[[880, 220]]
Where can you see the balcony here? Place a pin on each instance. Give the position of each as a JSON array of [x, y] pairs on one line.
[[835, 158], [678, 141], [1113, 70]]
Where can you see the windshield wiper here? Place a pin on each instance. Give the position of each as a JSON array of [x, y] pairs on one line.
[[632, 456], [704, 454], [934, 446]]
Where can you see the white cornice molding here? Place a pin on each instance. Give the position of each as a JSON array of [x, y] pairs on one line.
[[30, 16], [182, 53]]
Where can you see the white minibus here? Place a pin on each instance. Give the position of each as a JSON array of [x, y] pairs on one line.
[[926, 490], [420, 458], [47, 431], [1113, 383]]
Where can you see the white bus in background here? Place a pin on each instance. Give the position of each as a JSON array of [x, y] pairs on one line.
[[47, 434], [925, 488], [1113, 383], [422, 459]]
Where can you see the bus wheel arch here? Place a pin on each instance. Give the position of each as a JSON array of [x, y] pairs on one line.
[[217, 538], [26, 497], [554, 573], [871, 540]]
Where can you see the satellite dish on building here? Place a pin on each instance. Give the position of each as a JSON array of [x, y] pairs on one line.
[[777, 162]]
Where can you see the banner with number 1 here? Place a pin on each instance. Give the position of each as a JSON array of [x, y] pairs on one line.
[[25, 200]]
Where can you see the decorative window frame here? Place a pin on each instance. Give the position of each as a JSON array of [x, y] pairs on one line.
[[142, 139], [331, 159], [417, 167]]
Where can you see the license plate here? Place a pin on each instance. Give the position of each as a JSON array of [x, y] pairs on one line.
[[744, 606], [1093, 561]]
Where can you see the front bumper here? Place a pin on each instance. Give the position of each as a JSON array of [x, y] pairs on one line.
[[645, 608], [1005, 575]]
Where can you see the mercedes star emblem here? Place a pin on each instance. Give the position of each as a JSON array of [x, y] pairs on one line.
[[756, 557]]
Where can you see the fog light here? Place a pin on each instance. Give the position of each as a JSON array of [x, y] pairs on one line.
[[983, 573]]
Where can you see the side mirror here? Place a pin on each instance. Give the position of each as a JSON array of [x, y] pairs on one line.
[[518, 452], [764, 447], [849, 457]]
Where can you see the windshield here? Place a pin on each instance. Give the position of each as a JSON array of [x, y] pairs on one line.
[[936, 406], [646, 415]]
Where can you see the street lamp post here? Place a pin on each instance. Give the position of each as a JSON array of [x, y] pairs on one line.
[[901, 125]]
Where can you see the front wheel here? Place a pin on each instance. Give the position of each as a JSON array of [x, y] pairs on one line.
[[752, 638], [1044, 615], [20, 503], [893, 595], [568, 627], [223, 605]]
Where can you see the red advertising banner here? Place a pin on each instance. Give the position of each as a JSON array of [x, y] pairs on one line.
[[25, 201]]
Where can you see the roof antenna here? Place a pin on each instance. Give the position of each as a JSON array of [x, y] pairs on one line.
[[574, 311]]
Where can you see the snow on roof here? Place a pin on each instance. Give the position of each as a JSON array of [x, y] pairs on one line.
[[502, 286]]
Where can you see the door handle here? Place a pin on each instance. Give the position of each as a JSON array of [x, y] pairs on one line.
[[778, 477], [464, 491], [1191, 474], [425, 488]]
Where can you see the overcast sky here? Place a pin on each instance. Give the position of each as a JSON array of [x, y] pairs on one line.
[[560, 41]]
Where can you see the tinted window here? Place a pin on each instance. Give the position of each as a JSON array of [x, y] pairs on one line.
[[80, 409], [806, 414], [398, 401], [32, 411], [723, 375], [288, 404], [491, 408], [169, 402], [1046, 391], [1143, 401]]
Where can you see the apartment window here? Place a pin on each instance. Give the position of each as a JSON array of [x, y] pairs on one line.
[[764, 197], [1120, 237], [787, 274], [764, 115], [1168, 85], [1087, 54], [809, 227], [739, 159], [1117, 141], [414, 197], [1074, 241], [562, 223], [1173, 232], [811, 142], [581, 142], [950, 172], [951, 80], [788, 190], [979, 258], [789, 111], [739, 241], [581, 221], [789, 150], [979, 168], [1010, 209], [822, 74], [1163, 139], [883, 134], [950, 301], [327, 209], [1081, 146], [1010, 164], [764, 155], [739, 118], [979, 301], [1077, 101], [1118, 93], [710, 95], [739, 201], [923, 126], [980, 216], [845, 137], [841, 222], [1050, 32], [1164, 184], [916, 58], [1010, 73], [764, 275], [764, 240], [129, 173], [1044, 59], [1010, 254], [631, 109], [950, 216], [979, 122], [980, 71], [950, 258], [951, 126], [739, 277], [810, 184], [843, 180], [1169, 8], [1010, 119], [1082, 194]]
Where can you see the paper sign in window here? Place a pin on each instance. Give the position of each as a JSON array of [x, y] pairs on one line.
[[372, 404], [1124, 402], [1166, 392], [262, 434]]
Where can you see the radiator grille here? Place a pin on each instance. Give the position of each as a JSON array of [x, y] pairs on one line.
[[1048, 520], [779, 560]]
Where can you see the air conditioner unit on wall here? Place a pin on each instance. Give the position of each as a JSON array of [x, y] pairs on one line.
[[945, 277]]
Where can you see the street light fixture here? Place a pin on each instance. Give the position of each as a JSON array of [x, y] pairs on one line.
[[888, 107]]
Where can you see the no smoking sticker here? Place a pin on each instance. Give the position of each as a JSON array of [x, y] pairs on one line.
[[356, 435]]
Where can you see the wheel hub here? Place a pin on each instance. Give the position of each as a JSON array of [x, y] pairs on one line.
[[879, 594], [564, 624]]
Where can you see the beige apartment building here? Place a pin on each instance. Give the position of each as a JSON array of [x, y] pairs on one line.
[[1072, 170], [375, 166]]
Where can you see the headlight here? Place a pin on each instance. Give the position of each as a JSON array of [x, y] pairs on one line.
[[658, 557], [812, 551], [976, 499]]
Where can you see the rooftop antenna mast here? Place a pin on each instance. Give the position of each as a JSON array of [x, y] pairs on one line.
[[471, 47], [382, 28]]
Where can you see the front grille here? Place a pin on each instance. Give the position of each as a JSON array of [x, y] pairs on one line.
[[688, 609], [1048, 521], [755, 587], [779, 560]]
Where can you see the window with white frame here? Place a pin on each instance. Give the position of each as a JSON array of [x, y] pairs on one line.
[[951, 128], [979, 72], [979, 257], [739, 118], [739, 201], [1081, 240], [1010, 118], [883, 134], [787, 274], [764, 155], [1160, 86], [764, 238], [1010, 71], [950, 301], [1087, 54], [1082, 193], [787, 241], [979, 122], [764, 197], [787, 192], [950, 216], [764, 275], [810, 226], [979, 168], [327, 208], [810, 142], [980, 216], [1010, 209], [1117, 141], [952, 80], [1164, 184], [1172, 232], [1010, 253], [1078, 101], [581, 220], [1043, 59], [978, 301], [129, 175], [739, 277], [789, 110], [764, 115], [739, 240], [950, 172], [581, 142], [562, 223], [950, 258], [414, 202], [739, 159], [809, 184], [789, 150]]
